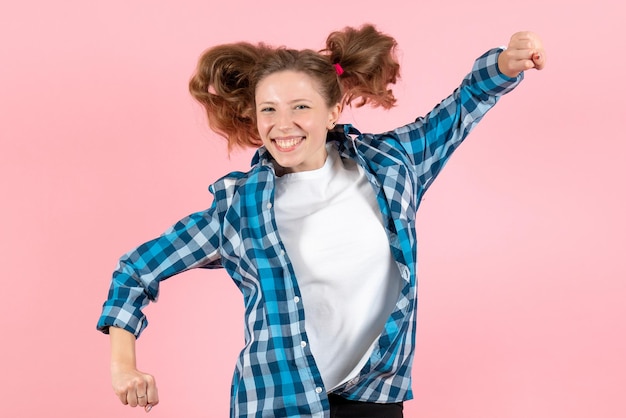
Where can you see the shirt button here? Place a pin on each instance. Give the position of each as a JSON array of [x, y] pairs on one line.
[[269, 205], [282, 252], [296, 299], [318, 390], [303, 344]]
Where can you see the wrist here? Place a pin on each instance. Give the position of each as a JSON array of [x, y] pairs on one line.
[[122, 349], [503, 65]]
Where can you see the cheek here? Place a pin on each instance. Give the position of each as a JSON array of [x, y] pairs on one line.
[[261, 126], [319, 126]]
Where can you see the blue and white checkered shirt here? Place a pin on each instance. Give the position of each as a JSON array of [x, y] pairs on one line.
[[276, 374]]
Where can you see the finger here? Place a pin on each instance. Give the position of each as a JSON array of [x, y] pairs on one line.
[[522, 43], [152, 393], [526, 36], [131, 397], [520, 54], [141, 390], [539, 59], [523, 63], [142, 400], [123, 397], [512, 63]]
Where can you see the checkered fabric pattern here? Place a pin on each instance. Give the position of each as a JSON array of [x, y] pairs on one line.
[[276, 374]]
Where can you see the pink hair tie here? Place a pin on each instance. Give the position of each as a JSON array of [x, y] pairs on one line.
[[338, 69]]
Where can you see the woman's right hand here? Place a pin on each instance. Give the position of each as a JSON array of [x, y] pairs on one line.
[[134, 388], [131, 386]]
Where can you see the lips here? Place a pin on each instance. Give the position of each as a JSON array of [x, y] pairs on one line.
[[288, 143]]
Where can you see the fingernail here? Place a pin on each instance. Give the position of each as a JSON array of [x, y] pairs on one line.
[[148, 408]]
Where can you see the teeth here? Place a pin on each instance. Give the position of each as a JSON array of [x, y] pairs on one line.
[[287, 143]]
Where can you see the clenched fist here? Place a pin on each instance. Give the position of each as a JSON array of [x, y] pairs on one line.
[[524, 52]]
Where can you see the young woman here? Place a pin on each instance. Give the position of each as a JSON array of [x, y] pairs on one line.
[[319, 235]]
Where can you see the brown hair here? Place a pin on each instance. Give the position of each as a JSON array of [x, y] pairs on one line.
[[227, 75]]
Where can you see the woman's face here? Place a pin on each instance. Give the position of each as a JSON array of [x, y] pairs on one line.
[[293, 119]]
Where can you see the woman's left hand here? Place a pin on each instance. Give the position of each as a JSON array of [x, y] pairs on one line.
[[525, 51]]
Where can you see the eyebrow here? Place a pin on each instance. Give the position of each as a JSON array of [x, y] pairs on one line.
[[270, 102]]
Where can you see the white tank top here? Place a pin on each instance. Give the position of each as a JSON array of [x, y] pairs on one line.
[[331, 227]]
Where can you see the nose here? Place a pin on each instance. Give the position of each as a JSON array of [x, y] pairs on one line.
[[284, 120]]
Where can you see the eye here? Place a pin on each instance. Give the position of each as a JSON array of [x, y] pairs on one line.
[[302, 106], [266, 109]]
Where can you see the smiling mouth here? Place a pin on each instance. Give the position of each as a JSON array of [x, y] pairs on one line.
[[287, 144]]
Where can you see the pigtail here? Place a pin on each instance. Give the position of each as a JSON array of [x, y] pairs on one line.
[[366, 64], [356, 64], [222, 85]]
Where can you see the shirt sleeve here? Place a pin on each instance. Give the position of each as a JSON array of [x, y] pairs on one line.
[[430, 140], [190, 243]]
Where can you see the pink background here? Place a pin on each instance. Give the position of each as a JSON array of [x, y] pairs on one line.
[[522, 275]]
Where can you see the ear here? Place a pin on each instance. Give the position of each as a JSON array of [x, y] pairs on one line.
[[333, 115]]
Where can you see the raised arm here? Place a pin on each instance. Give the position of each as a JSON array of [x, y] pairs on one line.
[[431, 139]]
